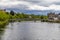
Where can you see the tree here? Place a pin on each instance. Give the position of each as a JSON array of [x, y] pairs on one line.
[[42, 17], [3, 16], [12, 13]]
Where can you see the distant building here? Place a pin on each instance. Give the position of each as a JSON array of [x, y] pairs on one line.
[[59, 16], [53, 16]]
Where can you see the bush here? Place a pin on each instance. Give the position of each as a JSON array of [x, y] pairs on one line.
[[3, 16]]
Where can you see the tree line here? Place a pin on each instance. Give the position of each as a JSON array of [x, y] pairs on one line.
[[13, 15], [6, 16]]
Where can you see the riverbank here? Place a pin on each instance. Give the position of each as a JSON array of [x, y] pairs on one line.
[[51, 21], [3, 26]]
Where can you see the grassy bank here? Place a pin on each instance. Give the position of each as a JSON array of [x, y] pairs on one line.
[[2, 26], [3, 23], [52, 21], [3, 20]]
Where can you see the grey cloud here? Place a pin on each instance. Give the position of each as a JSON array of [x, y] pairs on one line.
[[57, 3], [25, 5], [42, 2], [21, 7]]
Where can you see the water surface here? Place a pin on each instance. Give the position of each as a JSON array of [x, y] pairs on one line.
[[32, 31]]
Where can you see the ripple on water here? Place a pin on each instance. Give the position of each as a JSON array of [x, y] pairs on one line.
[[32, 31]]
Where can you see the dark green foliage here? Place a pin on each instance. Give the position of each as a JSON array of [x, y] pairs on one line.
[[12, 12], [3, 16], [3, 19], [42, 17]]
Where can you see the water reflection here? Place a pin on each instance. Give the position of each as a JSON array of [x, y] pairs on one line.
[[0, 37], [1, 33], [32, 31]]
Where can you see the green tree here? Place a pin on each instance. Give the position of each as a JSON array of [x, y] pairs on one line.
[[12, 13], [3, 16]]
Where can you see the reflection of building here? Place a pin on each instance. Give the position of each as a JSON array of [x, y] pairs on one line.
[[53, 16]]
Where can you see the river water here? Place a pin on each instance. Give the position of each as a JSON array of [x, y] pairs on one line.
[[30, 30]]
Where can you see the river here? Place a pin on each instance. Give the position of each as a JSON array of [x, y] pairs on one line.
[[29, 30]]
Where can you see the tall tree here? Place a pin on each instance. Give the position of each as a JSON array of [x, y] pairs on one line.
[[12, 13]]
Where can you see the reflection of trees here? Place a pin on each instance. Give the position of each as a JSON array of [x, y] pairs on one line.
[[1, 33], [12, 25], [59, 26], [0, 38]]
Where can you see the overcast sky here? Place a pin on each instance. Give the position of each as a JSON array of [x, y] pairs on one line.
[[31, 4]]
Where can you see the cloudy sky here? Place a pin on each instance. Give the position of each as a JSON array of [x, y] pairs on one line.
[[31, 4]]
